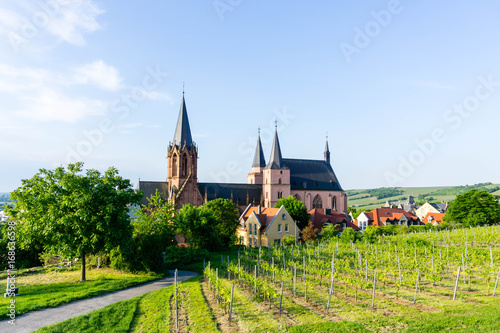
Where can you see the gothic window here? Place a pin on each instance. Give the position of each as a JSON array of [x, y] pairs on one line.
[[184, 165], [279, 181], [174, 166], [297, 197], [280, 195], [334, 203], [317, 202]]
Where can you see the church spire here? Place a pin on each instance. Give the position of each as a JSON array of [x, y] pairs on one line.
[[327, 151], [258, 160], [276, 161], [183, 131]]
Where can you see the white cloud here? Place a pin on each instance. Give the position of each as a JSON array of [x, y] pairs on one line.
[[159, 96], [131, 125], [47, 95], [23, 21], [99, 74], [51, 104], [434, 85], [75, 18]]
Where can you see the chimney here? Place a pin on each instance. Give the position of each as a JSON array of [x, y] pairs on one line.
[[258, 209]]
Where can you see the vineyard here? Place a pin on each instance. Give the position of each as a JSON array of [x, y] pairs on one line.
[[434, 281], [395, 278]]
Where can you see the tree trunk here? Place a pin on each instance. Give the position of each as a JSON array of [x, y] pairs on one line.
[[83, 279]]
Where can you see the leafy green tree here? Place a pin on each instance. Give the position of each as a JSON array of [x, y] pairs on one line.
[[473, 208], [154, 231], [226, 219], [349, 234], [197, 225], [74, 213], [297, 210], [371, 233], [330, 232], [355, 212], [288, 240]]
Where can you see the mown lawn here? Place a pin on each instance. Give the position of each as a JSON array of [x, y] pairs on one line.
[[41, 290]]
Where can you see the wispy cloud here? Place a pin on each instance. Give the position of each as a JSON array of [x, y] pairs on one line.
[[43, 94], [23, 21], [99, 74], [50, 95], [434, 85], [131, 125], [51, 104]]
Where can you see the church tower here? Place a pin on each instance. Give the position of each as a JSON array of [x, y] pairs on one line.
[[182, 161], [276, 176], [327, 152], [259, 162]]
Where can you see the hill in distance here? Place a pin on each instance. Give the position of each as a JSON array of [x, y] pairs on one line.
[[369, 199]]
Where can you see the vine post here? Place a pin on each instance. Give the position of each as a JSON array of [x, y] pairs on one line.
[[231, 303], [416, 287], [456, 283]]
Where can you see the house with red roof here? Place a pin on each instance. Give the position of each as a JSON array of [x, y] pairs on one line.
[[434, 218], [380, 217], [264, 226], [321, 217]]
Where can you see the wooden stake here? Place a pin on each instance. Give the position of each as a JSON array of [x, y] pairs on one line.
[[496, 282], [231, 303], [456, 283], [374, 283], [416, 287], [281, 298]]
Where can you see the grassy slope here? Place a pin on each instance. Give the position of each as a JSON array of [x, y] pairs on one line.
[[149, 313], [372, 202], [46, 290]]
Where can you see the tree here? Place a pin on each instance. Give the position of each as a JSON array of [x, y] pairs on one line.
[[74, 213], [330, 232], [197, 225], [355, 212], [288, 240], [226, 219], [154, 231], [309, 233], [349, 234], [473, 208], [297, 210]]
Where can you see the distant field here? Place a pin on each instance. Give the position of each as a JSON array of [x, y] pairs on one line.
[[363, 199]]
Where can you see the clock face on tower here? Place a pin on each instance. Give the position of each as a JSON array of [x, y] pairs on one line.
[[283, 216]]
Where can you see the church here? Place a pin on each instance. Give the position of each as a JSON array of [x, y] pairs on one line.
[[310, 181]]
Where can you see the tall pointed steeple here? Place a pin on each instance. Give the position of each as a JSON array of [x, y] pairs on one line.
[[183, 131], [327, 151], [276, 161], [258, 160]]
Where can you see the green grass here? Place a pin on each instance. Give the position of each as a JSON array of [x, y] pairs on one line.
[[116, 317], [198, 310], [51, 289], [146, 313]]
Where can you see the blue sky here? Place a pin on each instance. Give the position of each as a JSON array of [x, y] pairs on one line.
[[406, 90]]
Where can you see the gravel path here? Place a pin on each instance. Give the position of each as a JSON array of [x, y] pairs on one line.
[[35, 320]]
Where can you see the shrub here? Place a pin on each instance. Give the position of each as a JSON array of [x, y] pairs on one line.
[[349, 234], [288, 240]]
